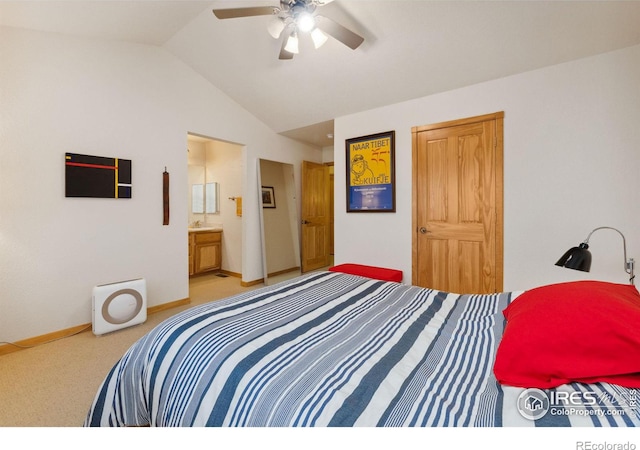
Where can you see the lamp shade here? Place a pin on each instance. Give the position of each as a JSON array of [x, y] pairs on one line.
[[577, 258], [292, 43], [318, 37]]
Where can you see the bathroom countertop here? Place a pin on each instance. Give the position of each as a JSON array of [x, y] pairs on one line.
[[203, 229]]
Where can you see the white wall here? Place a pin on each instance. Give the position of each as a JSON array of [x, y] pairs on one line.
[[62, 94], [224, 163], [572, 163], [327, 154]]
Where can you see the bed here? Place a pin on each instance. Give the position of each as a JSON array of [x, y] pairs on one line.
[[331, 349]]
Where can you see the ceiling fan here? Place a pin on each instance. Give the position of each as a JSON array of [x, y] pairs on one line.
[[293, 18]]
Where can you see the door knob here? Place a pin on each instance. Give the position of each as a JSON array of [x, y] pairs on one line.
[[423, 230]]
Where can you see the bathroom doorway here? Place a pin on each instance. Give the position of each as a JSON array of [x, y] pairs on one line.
[[215, 175]]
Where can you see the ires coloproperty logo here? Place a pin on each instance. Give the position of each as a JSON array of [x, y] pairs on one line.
[[533, 404]]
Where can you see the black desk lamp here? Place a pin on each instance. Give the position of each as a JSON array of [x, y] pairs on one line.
[[579, 258]]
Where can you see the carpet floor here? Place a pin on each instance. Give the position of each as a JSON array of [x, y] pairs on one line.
[[53, 384]]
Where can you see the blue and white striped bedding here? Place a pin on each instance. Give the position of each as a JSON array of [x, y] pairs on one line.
[[331, 349]]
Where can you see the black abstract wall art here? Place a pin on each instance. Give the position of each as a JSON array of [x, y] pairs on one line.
[[97, 176]]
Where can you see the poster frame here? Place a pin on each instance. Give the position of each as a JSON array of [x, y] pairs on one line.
[[363, 150]]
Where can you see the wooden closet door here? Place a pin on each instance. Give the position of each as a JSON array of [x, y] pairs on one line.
[[457, 205]]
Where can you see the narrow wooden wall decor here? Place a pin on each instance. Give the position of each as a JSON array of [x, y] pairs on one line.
[[165, 197]]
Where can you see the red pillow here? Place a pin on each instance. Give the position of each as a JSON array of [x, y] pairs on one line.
[[377, 273], [584, 331]]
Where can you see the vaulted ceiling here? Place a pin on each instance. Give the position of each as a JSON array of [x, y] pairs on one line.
[[412, 48]]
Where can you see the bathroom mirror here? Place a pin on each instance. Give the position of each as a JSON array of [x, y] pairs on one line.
[[204, 198], [197, 198], [211, 198], [279, 221]]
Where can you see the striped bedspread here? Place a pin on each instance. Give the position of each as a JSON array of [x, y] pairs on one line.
[[330, 349]]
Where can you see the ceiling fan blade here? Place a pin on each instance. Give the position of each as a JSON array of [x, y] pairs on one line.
[[283, 53], [231, 13], [337, 31]]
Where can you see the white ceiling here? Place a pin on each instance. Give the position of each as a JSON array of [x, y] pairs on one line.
[[412, 48]]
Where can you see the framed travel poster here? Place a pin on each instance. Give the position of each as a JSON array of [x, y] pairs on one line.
[[371, 173]]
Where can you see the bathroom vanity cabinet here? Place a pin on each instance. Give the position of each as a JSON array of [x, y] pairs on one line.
[[205, 251]]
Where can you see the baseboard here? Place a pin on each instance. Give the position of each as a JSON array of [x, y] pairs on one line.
[[43, 339], [24, 344], [170, 305]]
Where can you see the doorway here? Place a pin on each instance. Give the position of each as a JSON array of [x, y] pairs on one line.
[[458, 205], [212, 162], [317, 216], [279, 221]]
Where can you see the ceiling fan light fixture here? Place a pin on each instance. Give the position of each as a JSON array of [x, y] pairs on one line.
[[293, 17], [292, 44], [305, 22], [319, 38], [275, 27]]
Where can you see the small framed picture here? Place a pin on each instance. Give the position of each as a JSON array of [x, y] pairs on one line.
[[268, 197]]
